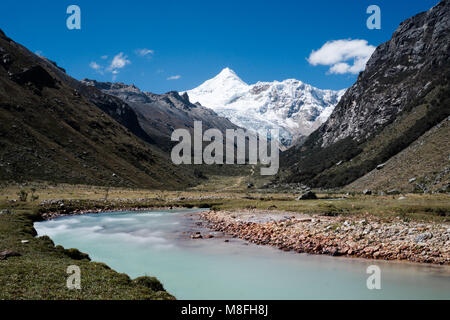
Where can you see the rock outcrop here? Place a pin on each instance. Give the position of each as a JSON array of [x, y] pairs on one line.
[[398, 72]]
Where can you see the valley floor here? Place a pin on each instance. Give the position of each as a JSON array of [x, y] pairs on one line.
[[414, 227]]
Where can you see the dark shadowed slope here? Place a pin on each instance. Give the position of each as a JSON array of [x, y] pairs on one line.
[[52, 131]]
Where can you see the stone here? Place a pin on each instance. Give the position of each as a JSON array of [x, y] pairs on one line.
[[381, 166], [393, 192], [8, 253], [367, 192], [402, 198], [423, 236], [412, 180], [35, 75], [5, 212], [308, 196], [25, 241]]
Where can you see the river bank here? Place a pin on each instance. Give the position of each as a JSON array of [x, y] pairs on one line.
[[159, 243], [353, 236]]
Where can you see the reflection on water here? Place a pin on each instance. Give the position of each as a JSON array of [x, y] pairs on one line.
[[155, 243]]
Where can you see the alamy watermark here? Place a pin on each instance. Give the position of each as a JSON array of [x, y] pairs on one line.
[[73, 22], [374, 280], [74, 280], [241, 147], [374, 21]]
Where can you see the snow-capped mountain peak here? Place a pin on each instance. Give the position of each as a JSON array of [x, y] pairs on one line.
[[228, 74], [220, 90], [296, 108]]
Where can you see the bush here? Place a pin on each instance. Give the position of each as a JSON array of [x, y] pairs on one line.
[[76, 254], [330, 210], [150, 282], [23, 195]]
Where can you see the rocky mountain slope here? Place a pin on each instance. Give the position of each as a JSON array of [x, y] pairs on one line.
[[423, 166], [160, 114], [52, 131], [294, 107], [403, 93]]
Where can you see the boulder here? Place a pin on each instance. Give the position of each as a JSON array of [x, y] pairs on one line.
[[423, 236], [5, 212], [308, 196], [35, 75], [8, 253], [367, 192]]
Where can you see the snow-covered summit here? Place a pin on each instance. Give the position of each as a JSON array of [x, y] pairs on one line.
[[294, 107]]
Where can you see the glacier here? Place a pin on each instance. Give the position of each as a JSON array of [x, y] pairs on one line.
[[293, 107]]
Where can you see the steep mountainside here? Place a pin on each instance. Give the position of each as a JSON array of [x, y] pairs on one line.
[[403, 93], [423, 166], [294, 107], [160, 114], [51, 131]]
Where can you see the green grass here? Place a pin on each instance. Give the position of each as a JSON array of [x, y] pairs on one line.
[[417, 208], [40, 271]]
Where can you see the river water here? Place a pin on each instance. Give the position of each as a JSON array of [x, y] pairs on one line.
[[157, 243]]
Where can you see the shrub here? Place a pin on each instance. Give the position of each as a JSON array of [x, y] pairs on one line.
[[23, 195], [150, 282], [76, 254]]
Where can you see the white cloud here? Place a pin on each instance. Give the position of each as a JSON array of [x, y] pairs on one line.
[[104, 57], [144, 52], [343, 56], [94, 65], [39, 53], [119, 61], [174, 77]]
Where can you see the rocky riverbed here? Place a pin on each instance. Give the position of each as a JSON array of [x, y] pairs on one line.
[[363, 237]]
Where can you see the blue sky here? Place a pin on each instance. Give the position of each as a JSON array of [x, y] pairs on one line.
[[191, 41]]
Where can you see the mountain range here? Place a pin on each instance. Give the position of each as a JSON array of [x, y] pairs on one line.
[[390, 130], [160, 114], [294, 107]]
